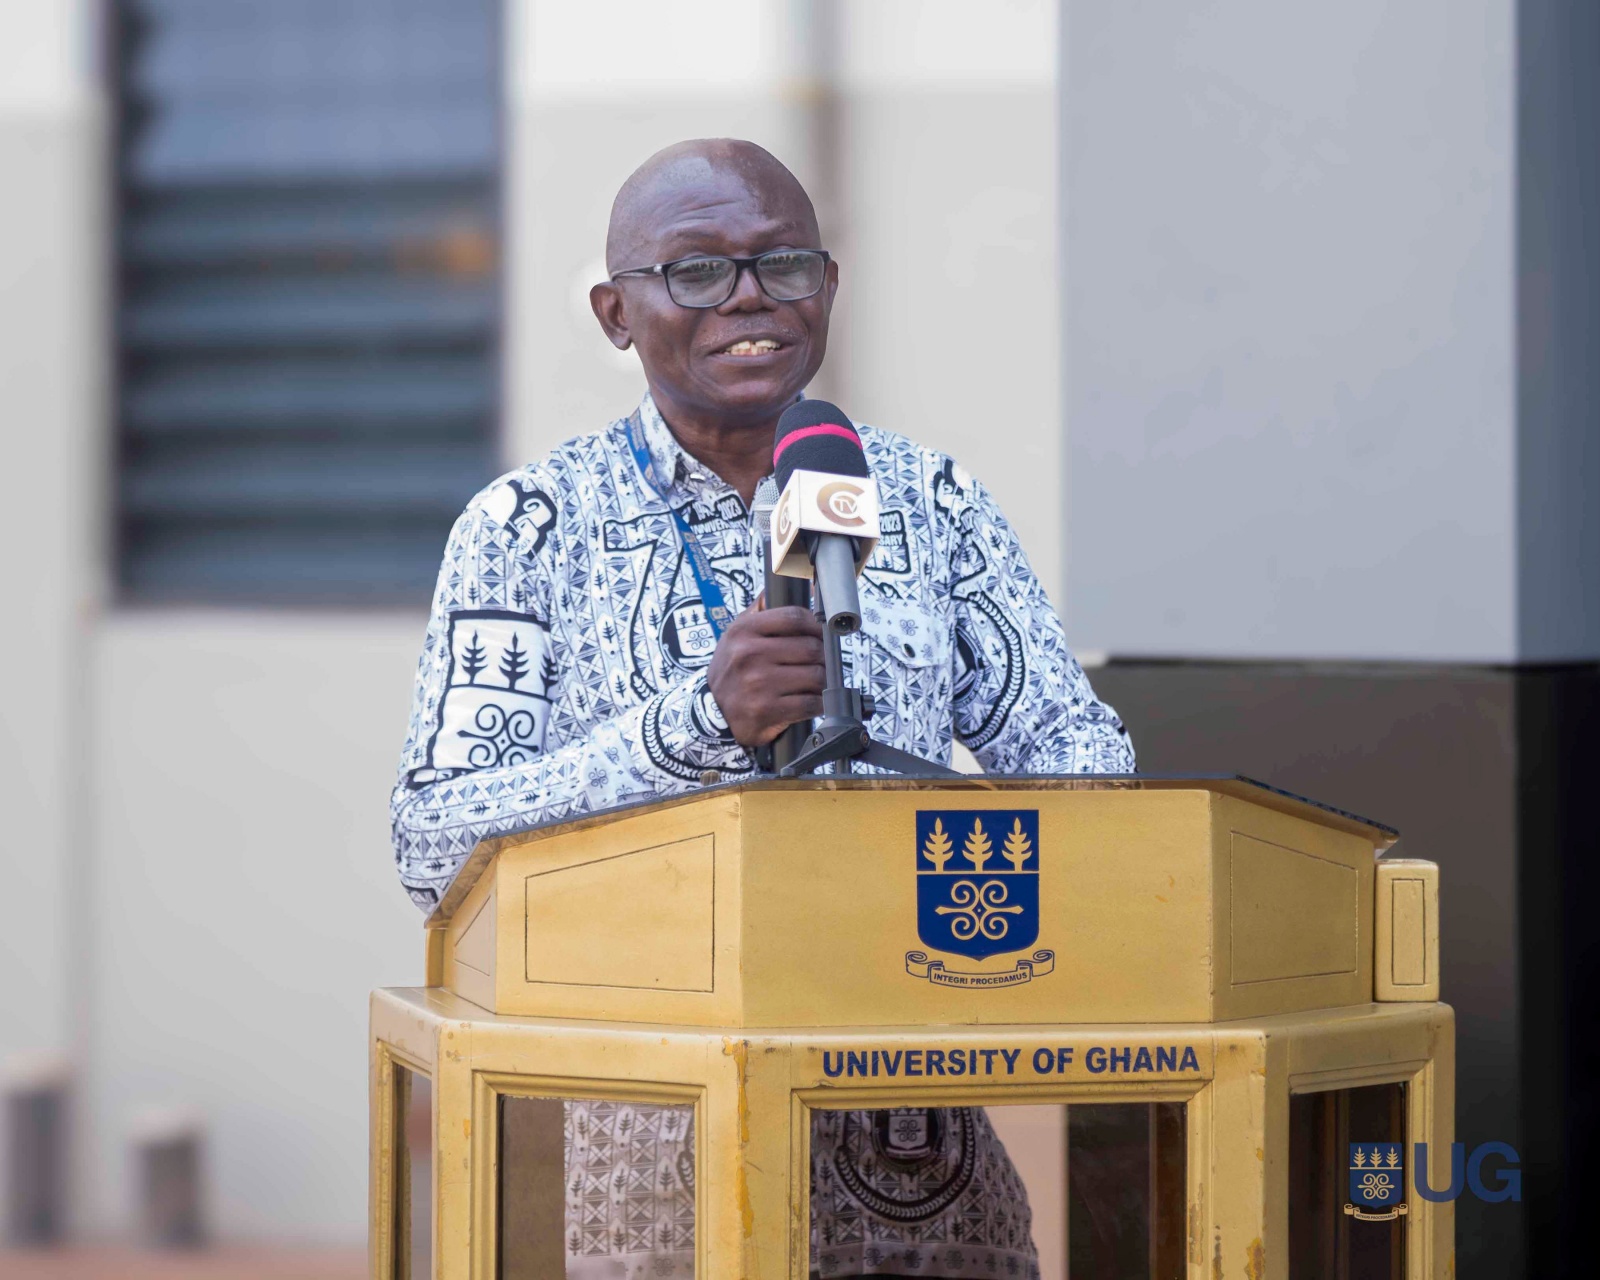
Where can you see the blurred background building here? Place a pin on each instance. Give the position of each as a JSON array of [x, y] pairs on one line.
[[1271, 325]]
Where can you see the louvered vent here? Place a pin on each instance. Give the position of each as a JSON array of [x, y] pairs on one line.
[[308, 303]]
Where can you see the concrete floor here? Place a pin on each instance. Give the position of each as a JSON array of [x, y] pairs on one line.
[[200, 1264]]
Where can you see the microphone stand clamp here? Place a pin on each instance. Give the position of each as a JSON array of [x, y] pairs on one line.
[[841, 736]]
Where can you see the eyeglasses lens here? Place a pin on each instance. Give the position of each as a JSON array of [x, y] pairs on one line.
[[709, 282], [701, 282], [788, 277]]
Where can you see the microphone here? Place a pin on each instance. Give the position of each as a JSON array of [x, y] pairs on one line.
[[824, 528], [826, 521], [780, 591]]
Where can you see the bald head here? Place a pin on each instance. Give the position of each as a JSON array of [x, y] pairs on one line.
[[734, 366], [688, 183]]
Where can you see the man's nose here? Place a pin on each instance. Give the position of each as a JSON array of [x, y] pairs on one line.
[[747, 294]]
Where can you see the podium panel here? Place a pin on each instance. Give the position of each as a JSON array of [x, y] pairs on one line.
[[1079, 901], [1135, 1027], [756, 1099]]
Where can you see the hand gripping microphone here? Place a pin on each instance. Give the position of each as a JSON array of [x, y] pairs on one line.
[[824, 527], [780, 591], [826, 521]]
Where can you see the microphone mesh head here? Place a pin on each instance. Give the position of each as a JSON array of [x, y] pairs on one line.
[[814, 435], [761, 508]]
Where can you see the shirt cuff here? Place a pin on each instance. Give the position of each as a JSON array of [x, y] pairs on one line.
[[686, 735]]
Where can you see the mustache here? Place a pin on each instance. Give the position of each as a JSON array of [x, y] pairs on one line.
[[773, 333]]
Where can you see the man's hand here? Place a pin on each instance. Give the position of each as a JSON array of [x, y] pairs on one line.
[[767, 672]]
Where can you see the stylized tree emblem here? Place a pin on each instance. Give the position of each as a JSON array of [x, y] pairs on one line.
[[474, 659], [514, 662], [937, 849], [1017, 846], [977, 849]]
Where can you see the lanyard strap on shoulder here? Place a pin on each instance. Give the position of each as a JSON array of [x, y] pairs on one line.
[[716, 604]]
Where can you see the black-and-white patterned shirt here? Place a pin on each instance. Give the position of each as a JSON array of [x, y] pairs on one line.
[[564, 671], [564, 666]]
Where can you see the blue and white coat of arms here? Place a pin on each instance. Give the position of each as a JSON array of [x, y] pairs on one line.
[[978, 892], [1377, 1181]]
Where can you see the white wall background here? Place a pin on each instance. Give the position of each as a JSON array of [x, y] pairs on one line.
[[1289, 347], [50, 424], [196, 835], [945, 326], [244, 902]]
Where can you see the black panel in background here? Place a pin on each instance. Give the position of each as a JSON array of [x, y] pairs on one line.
[[1484, 772], [1558, 721]]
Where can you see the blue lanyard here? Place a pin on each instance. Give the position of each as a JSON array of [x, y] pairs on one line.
[[716, 604]]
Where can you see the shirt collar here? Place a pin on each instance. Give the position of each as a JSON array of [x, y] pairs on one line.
[[683, 473], [673, 464]]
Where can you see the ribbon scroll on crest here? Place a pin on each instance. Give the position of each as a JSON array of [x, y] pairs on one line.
[[918, 965]]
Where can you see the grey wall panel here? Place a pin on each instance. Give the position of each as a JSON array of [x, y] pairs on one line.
[[1289, 328], [1558, 439]]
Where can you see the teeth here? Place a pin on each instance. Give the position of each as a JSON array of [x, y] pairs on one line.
[[761, 346]]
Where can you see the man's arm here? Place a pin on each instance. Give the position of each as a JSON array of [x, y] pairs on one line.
[[1022, 702], [479, 760]]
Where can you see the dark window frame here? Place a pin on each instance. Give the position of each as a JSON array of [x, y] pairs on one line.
[[395, 539]]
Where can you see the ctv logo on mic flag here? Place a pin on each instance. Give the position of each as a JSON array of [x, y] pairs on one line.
[[841, 501], [821, 502]]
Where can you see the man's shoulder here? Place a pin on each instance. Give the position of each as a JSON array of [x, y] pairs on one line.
[[899, 458], [528, 500], [591, 451]]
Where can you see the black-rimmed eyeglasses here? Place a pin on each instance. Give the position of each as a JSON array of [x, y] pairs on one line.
[[785, 275]]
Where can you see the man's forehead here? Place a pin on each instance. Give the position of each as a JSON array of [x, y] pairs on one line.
[[698, 201], [686, 225]]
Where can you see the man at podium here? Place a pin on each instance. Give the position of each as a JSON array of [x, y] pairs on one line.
[[578, 655]]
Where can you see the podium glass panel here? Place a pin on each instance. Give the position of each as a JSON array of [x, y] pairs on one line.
[[1347, 1184], [1052, 1191], [592, 1189], [413, 1220]]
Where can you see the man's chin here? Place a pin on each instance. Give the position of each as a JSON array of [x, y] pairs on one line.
[[754, 400]]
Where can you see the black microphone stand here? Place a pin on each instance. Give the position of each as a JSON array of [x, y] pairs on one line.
[[781, 592], [841, 736], [778, 754]]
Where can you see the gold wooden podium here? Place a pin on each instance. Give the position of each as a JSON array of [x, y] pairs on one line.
[[1217, 989]]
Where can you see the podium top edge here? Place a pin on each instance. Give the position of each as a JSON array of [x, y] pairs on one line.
[[1236, 785]]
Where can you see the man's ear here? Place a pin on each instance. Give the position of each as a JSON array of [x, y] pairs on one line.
[[605, 299], [831, 281]]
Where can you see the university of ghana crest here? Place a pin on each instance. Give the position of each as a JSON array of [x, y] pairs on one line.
[[978, 894], [1377, 1181]]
